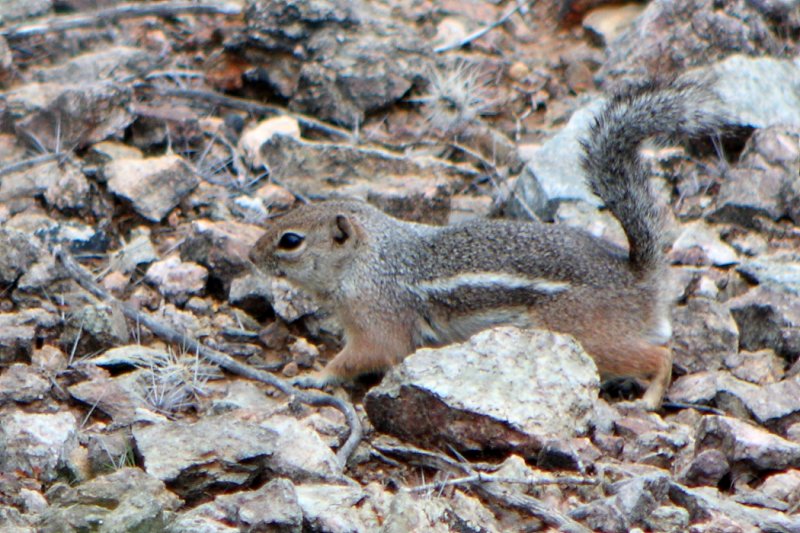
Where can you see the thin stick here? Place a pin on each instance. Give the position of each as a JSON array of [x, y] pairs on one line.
[[696, 406], [174, 336], [481, 477], [492, 491], [245, 105], [483, 31], [28, 163], [112, 14]]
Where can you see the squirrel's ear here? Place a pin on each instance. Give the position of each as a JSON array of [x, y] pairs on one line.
[[345, 228]]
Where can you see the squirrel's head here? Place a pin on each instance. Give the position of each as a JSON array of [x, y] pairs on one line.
[[312, 245]]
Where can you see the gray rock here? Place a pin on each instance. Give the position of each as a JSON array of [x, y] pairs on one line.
[[124, 398], [251, 292], [289, 301], [600, 224], [18, 332], [608, 22], [137, 251], [49, 358], [334, 508], [69, 115], [273, 507], [768, 403], [707, 504], [94, 327], [222, 247], [556, 168], [656, 444], [783, 486], [240, 394], [602, 515], [15, 521], [699, 244], [7, 67], [109, 451], [63, 185], [527, 197], [708, 467], [153, 186], [319, 170], [199, 524], [37, 444], [668, 519], [231, 450], [126, 500], [177, 280], [71, 190], [673, 35], [19, 253], [214, 451], [704, 334], [335, 62], [534, 385], [764, 181], [76, 236], [254, 137], [754, 90], [426, 512], [769, 319], [761, 367], [23, 384], [117, 63], [779, 271], [638, 497], [15, 10], [16, 342], [743, 443]]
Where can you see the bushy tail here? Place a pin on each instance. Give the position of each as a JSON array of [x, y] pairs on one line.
[[613, 166]]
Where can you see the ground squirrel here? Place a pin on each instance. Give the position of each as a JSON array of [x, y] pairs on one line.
[[396, 285]]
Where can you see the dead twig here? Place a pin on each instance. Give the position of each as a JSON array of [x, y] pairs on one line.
[[493, 491], [482, 477], [28, 163], [174, 336], [245, 105], [696, 406], [122, 11], [519, 6]]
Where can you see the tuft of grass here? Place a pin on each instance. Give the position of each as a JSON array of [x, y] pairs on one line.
[[172, 382], [456, 98]]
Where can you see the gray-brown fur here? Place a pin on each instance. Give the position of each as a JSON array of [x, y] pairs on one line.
[[396, 285], [667, 112]]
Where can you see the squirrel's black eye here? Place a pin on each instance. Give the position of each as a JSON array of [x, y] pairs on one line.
[[290, 241]]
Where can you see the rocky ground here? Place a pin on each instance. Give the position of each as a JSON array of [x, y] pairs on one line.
[[152, 142]]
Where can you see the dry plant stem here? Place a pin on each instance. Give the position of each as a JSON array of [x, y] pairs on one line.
[[483, 31], [697, 407], [188, 343], [246, 105], [112, 14], [491, 491], [28, 163], [481, 477]]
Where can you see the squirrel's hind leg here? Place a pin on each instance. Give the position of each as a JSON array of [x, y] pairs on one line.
[[641, 360]]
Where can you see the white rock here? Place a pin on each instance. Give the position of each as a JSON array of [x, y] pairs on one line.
[[504, 388], [38, 444], [154, 186], [253, 138]]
